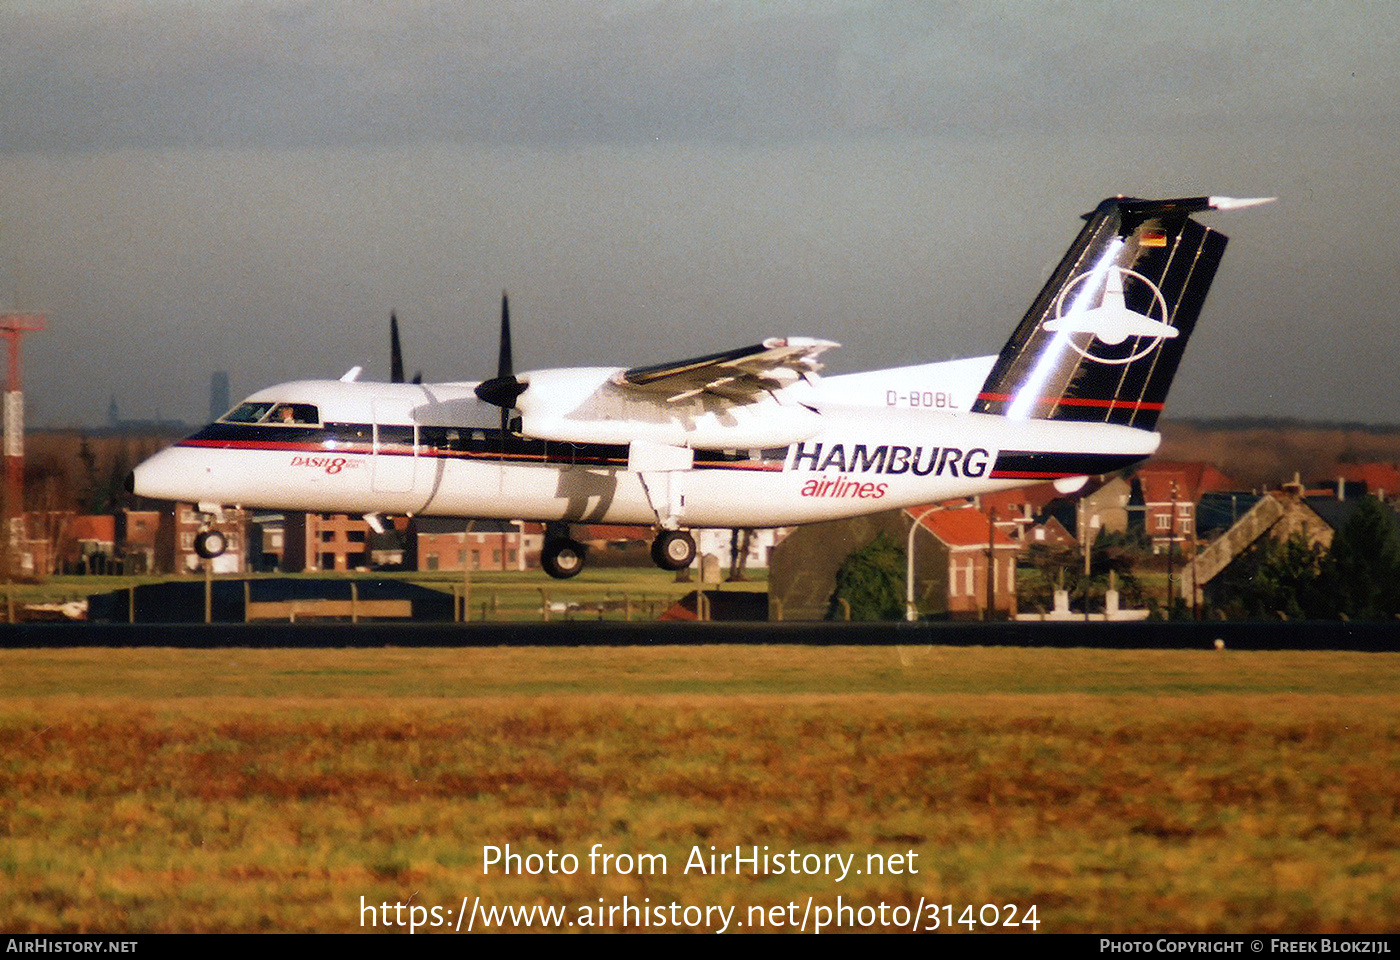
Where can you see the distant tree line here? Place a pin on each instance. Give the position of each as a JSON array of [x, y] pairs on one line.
[[1283, 423]]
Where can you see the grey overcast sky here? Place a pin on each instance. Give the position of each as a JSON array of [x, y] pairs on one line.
[[193, 186]]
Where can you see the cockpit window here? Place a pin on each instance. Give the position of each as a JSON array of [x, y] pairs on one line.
[[274, 414], [247, 413], [294, 414]]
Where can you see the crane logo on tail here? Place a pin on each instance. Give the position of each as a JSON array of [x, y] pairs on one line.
[[1111, 322]]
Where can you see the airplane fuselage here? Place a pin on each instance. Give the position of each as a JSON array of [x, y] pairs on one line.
[[436, 450], [749, 437]]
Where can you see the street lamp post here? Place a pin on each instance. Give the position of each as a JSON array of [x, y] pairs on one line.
[[911, 613]]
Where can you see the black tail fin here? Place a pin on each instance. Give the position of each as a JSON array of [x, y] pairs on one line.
[[1102, 341]]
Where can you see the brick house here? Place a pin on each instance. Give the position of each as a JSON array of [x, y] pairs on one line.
[[971, 546], [1169, 492], [950, 562], [181, 522], [330, 542], [446, 544]]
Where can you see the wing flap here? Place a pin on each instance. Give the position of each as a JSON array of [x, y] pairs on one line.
[[735, 375]]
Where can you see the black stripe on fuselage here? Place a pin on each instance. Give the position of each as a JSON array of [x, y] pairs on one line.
[[1031, 465], [466, 443]]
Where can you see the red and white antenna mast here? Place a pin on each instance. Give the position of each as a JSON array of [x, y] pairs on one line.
[[13, 327]]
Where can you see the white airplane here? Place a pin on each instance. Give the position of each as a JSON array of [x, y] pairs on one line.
[[746, 438]]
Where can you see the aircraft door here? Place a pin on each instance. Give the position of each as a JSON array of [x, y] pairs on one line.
[[395, 452]]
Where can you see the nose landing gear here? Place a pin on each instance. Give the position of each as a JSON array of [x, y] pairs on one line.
[[210, 544]]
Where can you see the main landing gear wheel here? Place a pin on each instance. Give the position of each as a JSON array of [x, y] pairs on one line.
[[562, 558], [673, 549], [210, 544]]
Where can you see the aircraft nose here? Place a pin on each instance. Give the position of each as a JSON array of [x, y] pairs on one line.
[[152, 479], [175, 473]]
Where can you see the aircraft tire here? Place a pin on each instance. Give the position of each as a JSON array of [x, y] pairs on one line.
[[673, 549], [563, 558], [210, 544]]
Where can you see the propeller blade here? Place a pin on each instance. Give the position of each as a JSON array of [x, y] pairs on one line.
[[505, 367], [395, 350], [504, 388]]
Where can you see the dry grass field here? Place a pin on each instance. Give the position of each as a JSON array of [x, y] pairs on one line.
[[178, 790]]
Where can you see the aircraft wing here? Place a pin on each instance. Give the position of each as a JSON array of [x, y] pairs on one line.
[[739, 375]]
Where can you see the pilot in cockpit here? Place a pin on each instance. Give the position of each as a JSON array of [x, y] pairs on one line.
[[293, 415]]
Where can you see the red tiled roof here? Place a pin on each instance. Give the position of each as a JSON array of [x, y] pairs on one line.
[[1191, 478], [1376, 476], [961, 527], [1010, 503]]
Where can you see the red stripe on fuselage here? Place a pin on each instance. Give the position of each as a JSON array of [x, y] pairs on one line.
[[400, 450], [287, 445], [1077, 401]]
